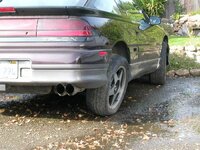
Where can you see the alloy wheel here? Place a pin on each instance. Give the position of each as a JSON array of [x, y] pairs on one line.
[[117, 87]]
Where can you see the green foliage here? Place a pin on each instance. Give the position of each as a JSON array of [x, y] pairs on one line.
[[126, 6], [168, 28], [179, 9], [127, 9], [151, 7], [182, 62], [112, 30]]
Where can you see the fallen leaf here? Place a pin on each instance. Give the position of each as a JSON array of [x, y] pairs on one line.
[[84, 121], [2, 110], [139, 120], [145, 137], [80, 115], [171, 123]]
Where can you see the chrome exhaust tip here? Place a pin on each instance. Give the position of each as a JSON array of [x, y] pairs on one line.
[[68, 89], [60, 90]]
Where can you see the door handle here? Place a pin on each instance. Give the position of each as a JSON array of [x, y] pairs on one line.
[[135, 49], [137, 33]]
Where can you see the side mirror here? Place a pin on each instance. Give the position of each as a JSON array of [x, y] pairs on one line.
[[153, 20], [144, 25]]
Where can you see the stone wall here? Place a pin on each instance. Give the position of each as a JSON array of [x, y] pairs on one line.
[[189, 51], [188, 25]]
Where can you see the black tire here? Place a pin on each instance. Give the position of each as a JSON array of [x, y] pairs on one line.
[[106, 100], [159, 76]]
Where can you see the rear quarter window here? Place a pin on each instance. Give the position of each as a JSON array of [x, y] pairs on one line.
[[108, 6]]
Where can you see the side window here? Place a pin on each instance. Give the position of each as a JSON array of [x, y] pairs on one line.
[[126, 8], [124, 5], [109, 6]]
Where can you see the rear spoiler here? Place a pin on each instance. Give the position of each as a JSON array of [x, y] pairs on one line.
[[10, 11]]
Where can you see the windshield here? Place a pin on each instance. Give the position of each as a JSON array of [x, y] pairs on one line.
[[41, 3]]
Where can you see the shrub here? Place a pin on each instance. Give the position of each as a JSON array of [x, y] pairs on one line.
[[179, 9], [182, 62], [168, 28], [151, 7]]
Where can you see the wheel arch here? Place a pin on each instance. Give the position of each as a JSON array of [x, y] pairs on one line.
[[166, 39], [122, 49]]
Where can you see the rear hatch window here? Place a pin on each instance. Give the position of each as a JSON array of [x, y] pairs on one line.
[[41, 3], [31, 18]]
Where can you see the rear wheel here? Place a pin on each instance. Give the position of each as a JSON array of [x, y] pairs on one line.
[[106, 100], [159, 76]]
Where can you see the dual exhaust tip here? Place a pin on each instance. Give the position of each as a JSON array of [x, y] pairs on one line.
[[68, 89]]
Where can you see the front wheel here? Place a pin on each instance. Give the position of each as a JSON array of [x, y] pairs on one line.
[[106, 100], [159, 76]]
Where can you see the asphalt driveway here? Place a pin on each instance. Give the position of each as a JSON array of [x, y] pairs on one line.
[[151, 117]]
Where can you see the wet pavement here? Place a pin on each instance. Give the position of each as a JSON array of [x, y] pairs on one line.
[[151, 117]]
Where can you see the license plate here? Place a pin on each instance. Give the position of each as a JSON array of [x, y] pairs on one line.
[[2, 87], [8, 69]]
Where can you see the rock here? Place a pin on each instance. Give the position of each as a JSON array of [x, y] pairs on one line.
[[192, 25], [183, 73], [183, 31], [180, 53], [172, 49], [191, 55], [171, 73], [176, 22], [184, 18], [195, 18], [191, 48], [198, 59], [195, 72], [184, 25], [180, 50]]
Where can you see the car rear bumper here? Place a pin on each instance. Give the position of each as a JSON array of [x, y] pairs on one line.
[[81, 76], [52, 61]]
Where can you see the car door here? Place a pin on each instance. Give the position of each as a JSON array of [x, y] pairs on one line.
[[150, 47], [130, 31], [145, 43]]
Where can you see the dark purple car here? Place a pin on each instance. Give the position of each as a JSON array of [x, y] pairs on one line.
[[71, 46]]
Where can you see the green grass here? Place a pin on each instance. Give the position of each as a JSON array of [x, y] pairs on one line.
[[181, 62], [195, 12], [184, 41]]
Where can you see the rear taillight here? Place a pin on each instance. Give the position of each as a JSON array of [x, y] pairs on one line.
[[103, 53], [64, 28], [7, 10]]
